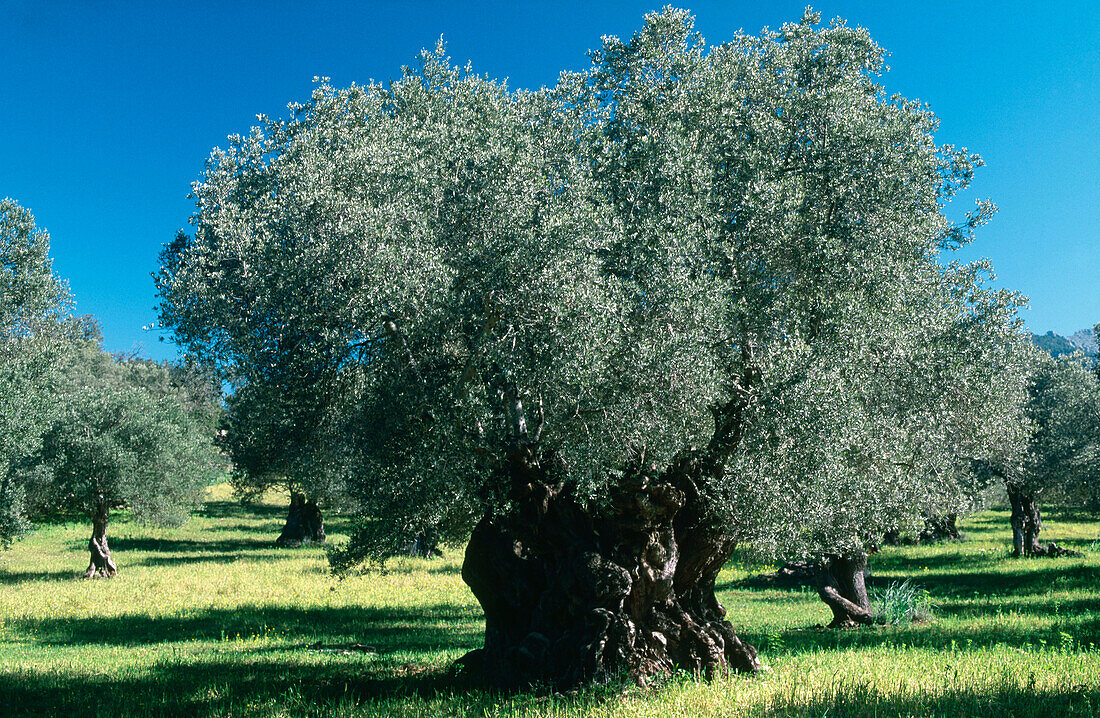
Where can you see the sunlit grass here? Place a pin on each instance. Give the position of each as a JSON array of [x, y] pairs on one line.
[[212, 619]]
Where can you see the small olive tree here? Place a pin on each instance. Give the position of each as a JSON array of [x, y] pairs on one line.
[[1063, 449], [120, 438], [285, 436]]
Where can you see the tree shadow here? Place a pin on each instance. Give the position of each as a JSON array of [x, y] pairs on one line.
[[903, 563], [218, 688], [237, 510], [429, 628], [1050, 607], [1060, 574], [11, 578], [169, 545]]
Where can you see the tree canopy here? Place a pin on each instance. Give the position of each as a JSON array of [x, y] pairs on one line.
[[1063, 407], [34, 328], [710, 278], [125, 433]]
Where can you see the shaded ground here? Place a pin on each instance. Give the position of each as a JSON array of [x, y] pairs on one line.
[[212, 620]]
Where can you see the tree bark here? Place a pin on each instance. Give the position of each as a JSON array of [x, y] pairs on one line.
[[303, 523], [101, 565], [1026, 525], [842, 585], [1026, 521], [576, 596]]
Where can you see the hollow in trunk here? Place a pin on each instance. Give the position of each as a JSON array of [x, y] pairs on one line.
[[842, 585], [303, 523], [576, 596], [100, 565]]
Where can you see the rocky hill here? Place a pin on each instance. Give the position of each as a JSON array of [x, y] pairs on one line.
[[1056, 344]]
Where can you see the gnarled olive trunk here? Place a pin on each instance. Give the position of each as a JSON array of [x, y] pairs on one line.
[[574, 596], [303, 523], [101, 565], [1026, 521], [842, 585], [1026, 525]]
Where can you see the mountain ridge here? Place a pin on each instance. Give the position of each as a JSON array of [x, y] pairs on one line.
[[1084, 340]]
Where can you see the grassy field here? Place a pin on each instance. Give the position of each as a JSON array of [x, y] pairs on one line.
[[211, 620]]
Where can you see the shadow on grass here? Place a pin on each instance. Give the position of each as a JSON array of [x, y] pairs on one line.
[[430, 628], [1005, 698], [237, 510], [159, 545], [1028, 579], [11, 578], [219, 688], [902, 562], [1049, 607]]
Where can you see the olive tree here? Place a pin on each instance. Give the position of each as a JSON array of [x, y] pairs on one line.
[[687, 298], [282, 435], [1063, 448], [121, 437], [34, 310]]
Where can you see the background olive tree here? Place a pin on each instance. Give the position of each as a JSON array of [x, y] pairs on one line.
[[35, 333], [1062, 460], [124, 435]]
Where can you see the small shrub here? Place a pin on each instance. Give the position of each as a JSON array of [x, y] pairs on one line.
[[901, 602]]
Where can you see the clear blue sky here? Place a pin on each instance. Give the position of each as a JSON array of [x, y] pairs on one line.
[[110, 108]]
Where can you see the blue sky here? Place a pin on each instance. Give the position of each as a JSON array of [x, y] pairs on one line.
[[110, 109]]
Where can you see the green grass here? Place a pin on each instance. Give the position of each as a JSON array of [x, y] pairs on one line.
[[211, 620]]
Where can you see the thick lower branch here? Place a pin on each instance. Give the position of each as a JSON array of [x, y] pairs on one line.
[[842, 585]]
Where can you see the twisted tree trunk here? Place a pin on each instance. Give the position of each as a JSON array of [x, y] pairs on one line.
[[303, 523], [101, 565], [574, 596], [842, 585], [1026, 525]]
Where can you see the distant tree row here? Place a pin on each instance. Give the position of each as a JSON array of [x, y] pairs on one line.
[[83, 432]]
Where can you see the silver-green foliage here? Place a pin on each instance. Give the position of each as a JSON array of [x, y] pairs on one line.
[[440, 259], [34, 306], [121, 436], [1063, 451]]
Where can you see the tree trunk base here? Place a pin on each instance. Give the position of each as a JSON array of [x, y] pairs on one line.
[[101, 565], [574, 597], [1049, 550], [425, 545], [842, 585], [303, 524]]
